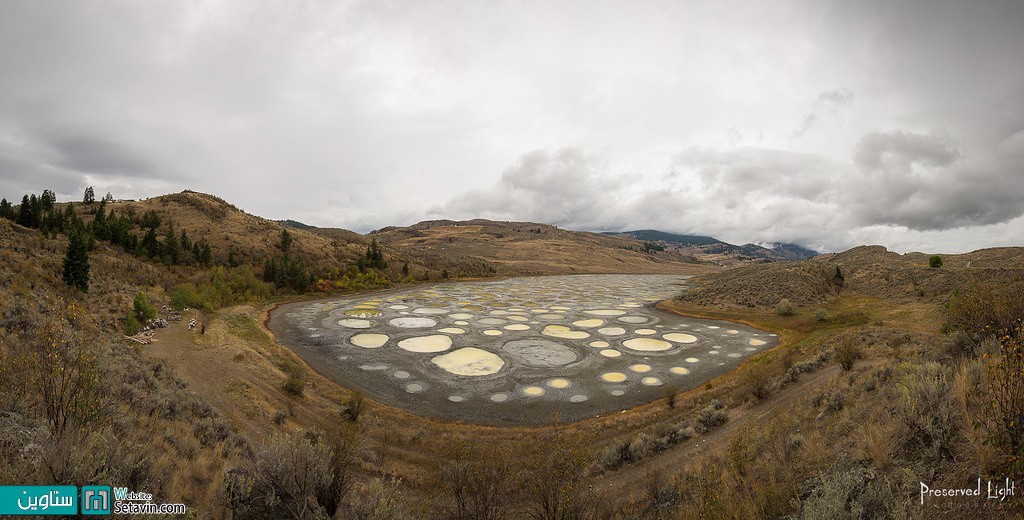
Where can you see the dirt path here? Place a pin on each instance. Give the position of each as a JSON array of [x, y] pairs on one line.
[[669, 461]]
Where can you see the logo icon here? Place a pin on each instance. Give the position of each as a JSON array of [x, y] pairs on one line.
[[96, 500]]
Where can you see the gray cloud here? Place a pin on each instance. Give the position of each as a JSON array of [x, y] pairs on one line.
[[365, 114], [921, 182], [827, 102], [901, 150], [924, 182], [92, 154], [566, 187]]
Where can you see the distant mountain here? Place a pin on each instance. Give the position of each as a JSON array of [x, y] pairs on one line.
[[724, 253], [297, 225], [652, 235], [789, 251]]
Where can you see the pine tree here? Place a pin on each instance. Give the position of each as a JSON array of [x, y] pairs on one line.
[[206, 256], [374, 257], [186, 246], [48, 199], [405, 270], [169, 247], [99, 223], [6, 210], [76, 262], [25, 212], [838, 279], [150, 220], [150, 245], [90, 196], [37, 210], [286, 241], [108, 197]]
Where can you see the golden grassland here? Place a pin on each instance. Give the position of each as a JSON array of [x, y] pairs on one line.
[[777, 442], [862, 400]]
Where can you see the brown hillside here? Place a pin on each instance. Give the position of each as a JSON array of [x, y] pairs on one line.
[[252, 239], [528, 248], [867, 270], [473, 248]]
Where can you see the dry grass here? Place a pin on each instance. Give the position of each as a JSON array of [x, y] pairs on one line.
[[762, 462]]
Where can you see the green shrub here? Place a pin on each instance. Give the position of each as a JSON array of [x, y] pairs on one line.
[[671, 393], [758, 381], [847, 353], [821, 315], [784, 308], [935, 262], [616, 454], [927, 413], [131, 324], [379, 500], [143, 310], [1006, 395], [983, 309], [711, 417], [290, 476], [186, 297], [294, 385], [353, 408]]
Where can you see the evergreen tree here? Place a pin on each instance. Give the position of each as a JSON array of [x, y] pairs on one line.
[[206, 255], [270, 271], [6, 210], [25, 212], [286, 241], [108, 197], [169, 247], [150, 246], [90, 196], [48, 199], [186, 246], [76, 261], [150, 220], [37, 210], [838, 279], [99, 223], [373, 258], [405, 270]]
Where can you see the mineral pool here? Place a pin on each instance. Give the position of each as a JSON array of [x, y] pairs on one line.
[[519, 351]]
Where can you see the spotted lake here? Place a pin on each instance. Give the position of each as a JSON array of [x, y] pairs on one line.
[[529, 350]]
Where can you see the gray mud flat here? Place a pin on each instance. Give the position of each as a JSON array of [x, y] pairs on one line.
[[520, 351]]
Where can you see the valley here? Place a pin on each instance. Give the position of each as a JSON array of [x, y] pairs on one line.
[[630, 395]]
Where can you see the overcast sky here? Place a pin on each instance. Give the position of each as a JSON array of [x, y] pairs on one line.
[[829, 124]]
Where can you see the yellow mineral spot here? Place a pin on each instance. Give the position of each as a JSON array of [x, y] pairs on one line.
[[680, 337], [469, 361], [613, 377], [369, 340], [646, 344], [432, 343]]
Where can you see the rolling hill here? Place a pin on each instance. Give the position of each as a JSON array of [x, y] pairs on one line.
[[204, 407], [528, 248], [723, 253]]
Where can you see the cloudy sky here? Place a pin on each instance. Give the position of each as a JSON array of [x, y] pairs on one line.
[[829, 124]]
